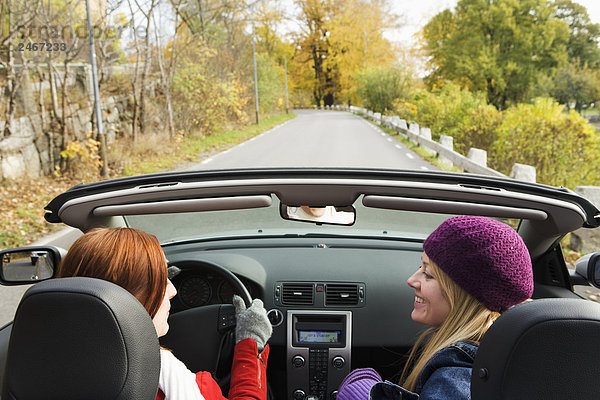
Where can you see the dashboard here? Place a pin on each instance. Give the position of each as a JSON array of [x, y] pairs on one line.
[[197, 288], [338, 303]]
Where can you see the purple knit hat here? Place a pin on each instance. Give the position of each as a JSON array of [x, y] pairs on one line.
[[357, 384], [485, 257]]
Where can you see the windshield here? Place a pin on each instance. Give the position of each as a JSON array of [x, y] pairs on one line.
[[267, 221]]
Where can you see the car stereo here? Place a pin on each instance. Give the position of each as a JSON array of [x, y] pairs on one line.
[[318, 353]]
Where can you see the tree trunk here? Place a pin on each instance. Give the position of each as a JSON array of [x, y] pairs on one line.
[[164, 78], [13, 84], [25, 93], [53, 91], [147, 59], [64, 130], [134, 85], [41, 96]]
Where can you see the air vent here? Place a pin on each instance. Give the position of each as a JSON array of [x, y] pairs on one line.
[[297, 294], [341, 294]]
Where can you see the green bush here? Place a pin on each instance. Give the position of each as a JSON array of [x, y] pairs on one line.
[[478, 129], [271, 84], [563, 147], [451, 110], [381, 87]]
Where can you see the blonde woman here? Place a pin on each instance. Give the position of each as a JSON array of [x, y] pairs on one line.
[[472, 269]]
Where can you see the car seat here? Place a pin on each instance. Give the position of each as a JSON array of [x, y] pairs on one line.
[[81, 338], [541, 349]]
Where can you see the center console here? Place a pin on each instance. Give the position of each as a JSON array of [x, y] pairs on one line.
[[318, 353]]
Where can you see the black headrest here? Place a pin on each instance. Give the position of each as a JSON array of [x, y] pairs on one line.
[[81, 338], [542, 349]]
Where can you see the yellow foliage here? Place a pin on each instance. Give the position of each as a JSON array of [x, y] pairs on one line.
[[406, 110], [346, 37], [83, 159]]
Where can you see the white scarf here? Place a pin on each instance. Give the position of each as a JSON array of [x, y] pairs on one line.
[[176, 381]]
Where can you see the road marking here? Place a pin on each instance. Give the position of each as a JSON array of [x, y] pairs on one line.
[[410, 156], [389, 139], [382, 134], [206, 161], [424, 168], [398, 147]]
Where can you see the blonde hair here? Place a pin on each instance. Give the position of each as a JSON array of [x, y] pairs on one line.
[[468, 320]]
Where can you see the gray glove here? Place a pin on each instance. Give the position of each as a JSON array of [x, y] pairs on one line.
[[252, 322]]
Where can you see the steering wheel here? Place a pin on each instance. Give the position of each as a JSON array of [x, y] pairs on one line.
[[202, 336]]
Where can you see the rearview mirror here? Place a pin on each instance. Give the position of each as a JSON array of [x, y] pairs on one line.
[[588, 266], [320, 215], [27, 265]]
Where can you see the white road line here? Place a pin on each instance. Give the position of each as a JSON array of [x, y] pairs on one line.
[[424, 168], [410, 156], [390, 139], [206, 161], [398, 147], [382, 134]]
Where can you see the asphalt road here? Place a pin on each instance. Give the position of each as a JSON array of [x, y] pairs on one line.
[[313, 139], [320, 139]]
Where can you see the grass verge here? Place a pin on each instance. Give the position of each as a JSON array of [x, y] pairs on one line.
[[194, 148], [21, 210]]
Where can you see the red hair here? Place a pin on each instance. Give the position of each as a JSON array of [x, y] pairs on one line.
[[127, 257]]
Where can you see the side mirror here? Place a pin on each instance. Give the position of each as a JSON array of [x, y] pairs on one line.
[[588, 266], [319, 214], [27, 265]]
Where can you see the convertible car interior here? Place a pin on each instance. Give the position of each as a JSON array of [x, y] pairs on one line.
[[334, 285]]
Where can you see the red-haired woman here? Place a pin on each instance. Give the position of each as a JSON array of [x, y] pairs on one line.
[[135, 261]]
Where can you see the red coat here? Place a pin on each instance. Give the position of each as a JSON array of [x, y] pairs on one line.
[[248, 376]]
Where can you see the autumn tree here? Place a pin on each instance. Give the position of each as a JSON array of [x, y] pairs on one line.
[[206, 100], [222, 25], [340, 39], [357, 43], [272, 53], [211, 20], [497, 46], [17, 25], [313, 46]]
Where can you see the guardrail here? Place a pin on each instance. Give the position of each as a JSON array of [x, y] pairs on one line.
[[582, 241], [475, 161]]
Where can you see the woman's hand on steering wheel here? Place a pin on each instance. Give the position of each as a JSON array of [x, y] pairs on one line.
[[252, 322]]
